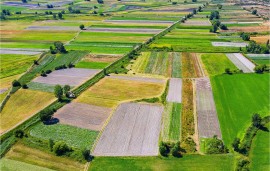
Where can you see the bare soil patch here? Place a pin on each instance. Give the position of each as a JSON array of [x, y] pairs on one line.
[[175, 90], [83, 115], [208, 124], [57, 28], [132, 131], [72, 76], [230, 44], [197, 23], [248, 29], [101, 58], [19, 51], [139, 21]]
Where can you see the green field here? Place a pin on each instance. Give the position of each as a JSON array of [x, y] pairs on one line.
[[172, 122], [91, 65], [176, 65], [259, 154], [191, 40], [15, 64], [237, 98], [12, 165], [73, 136], [187, 163], [216, 63]]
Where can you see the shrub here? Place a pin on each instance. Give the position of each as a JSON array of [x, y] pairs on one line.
[[48, 71], [256, 120], [58, 92], [164, 149], [242, 165], [215, 146], [260, 68], [51, 144], [235, 144], [60, 148], [223, 27], [16, 83], [19, 133], [228, 71], [43, 74], [176, 150]]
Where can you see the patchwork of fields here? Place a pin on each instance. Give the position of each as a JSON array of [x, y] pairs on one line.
[[132, 85]]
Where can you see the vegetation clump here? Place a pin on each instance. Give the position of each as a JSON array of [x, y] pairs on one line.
[[215, 146]]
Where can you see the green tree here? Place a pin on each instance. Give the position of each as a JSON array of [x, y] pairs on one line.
[[16, 83], [46, 114], [58, 92], [163, 149], [228, 71], [254, 12], [81, 26], [19, 133], [176, 150], [54, 16], [59, 46], [66, 89], [60, 15]]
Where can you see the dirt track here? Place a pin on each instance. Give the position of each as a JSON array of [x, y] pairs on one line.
[[83, 115], [132, 131]]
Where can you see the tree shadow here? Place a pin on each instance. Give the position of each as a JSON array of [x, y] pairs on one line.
[[263, 128], [52, 121]]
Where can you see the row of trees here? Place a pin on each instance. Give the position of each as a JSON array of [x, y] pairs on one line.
[[253, 47]]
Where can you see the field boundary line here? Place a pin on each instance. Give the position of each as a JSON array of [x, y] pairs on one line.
[[200, 63]]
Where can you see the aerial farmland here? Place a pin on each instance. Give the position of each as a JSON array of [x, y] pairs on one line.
[[132, 85]]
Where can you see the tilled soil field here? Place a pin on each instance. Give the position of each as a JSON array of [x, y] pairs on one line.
[[83, 115], [208, 124], [19, 51], [241, 62], [72, 76], [132, 131], [230, 44], [56, 28], [197, 23], [175, 90]]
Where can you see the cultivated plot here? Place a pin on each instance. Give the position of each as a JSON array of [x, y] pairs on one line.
[[132, 131], [72, 76], [20, 51], [140, 21], [197, 23], [56, 28], [175, 90], [241, 62], [208, 124], [83, 115], [135, 78], [125, 30]]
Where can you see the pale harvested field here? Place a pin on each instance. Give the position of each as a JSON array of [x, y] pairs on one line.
[[139, 21], [55, 28], [71, 76], [110, 92], [132, 131], [208, 124], [21, 105], [230, 44], [175, 90], [125, 30], [197, 23], [236, 22], [83, 115], [136, 78], [241, 62]]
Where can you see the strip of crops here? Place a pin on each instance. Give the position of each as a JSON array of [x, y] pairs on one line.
[[176, 65]]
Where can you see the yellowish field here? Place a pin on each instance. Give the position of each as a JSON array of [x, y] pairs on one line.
[[261, 39], [29, 155], [110, 92], [21, 105], [6, 82]]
